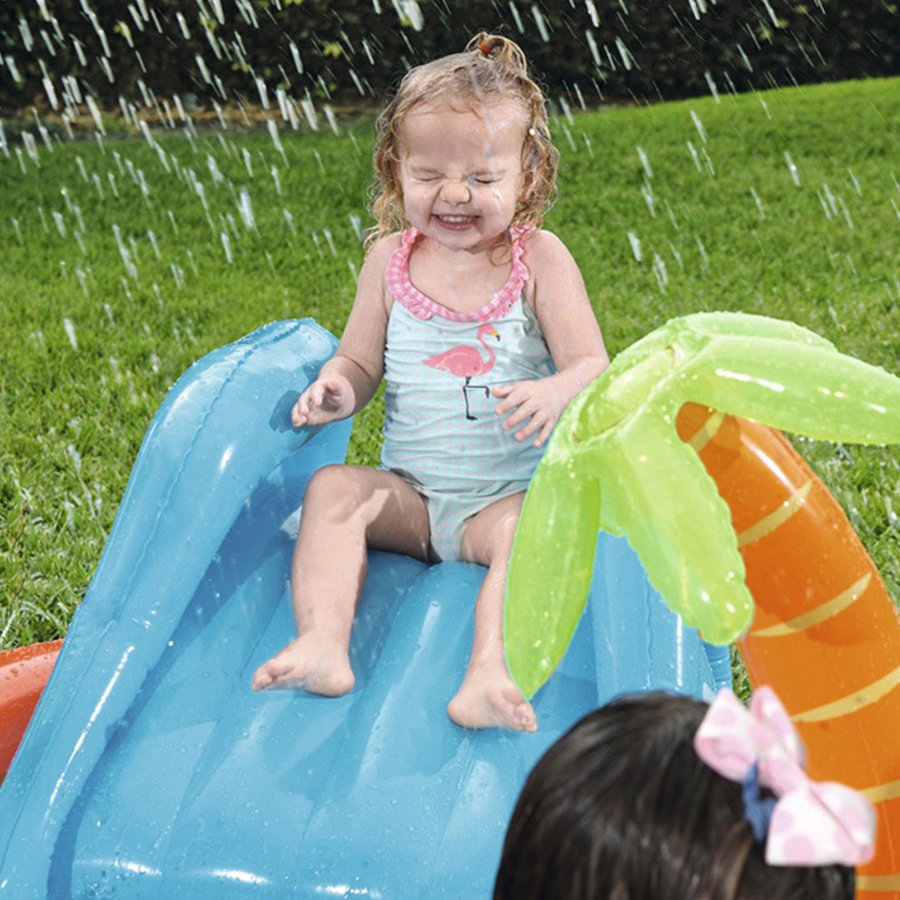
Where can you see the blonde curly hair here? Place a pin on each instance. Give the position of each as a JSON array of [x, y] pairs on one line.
[[492, 68]]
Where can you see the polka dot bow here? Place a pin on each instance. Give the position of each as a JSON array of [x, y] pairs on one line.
[[812, 823]]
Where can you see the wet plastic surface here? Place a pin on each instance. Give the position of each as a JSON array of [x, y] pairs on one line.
[[152, 770], [23, 673]]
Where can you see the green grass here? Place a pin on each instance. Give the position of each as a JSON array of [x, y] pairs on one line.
[[722, 224]]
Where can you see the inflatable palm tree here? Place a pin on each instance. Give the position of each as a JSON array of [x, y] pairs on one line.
[[735, 532]]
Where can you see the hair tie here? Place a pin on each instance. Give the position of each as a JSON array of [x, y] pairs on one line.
[[757, 809], [807, 823]]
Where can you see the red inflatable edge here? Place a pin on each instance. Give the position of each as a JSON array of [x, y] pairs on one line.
[[23, 673]]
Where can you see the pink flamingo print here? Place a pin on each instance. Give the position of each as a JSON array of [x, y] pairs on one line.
[[467, 362]]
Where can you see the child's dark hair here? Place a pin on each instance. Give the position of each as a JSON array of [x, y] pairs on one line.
[[491, 69], [622, 808]]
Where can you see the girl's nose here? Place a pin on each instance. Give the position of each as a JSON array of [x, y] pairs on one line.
[[455, 190]]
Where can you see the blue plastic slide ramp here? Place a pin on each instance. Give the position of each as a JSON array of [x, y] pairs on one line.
[[152, 770]]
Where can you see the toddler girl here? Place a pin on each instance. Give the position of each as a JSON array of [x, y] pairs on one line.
[[657, 797], [480, 324]]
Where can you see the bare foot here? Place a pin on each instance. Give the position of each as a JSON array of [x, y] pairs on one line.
[[489, 698], [307, 664]]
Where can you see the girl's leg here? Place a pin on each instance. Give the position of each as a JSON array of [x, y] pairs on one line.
[[346, 510], [488, 697]]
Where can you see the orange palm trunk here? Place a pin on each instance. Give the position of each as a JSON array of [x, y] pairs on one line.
[[826, 634]]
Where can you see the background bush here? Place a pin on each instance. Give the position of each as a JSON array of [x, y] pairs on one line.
[[348, 51]]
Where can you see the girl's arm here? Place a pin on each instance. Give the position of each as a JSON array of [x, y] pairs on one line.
[[348, 381], [558, 296]]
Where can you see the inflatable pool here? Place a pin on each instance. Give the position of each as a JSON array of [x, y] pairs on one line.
[[23, 674], [150, 768]]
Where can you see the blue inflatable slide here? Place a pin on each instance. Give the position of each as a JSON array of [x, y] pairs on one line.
[[151, 770]]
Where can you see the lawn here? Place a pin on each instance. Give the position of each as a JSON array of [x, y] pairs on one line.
[[123, 261]]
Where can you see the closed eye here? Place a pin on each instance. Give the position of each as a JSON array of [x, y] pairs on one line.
[[484, 179]]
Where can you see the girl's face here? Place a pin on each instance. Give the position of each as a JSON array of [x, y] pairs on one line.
[[461, 172]]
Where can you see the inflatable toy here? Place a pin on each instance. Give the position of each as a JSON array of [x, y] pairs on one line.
[[151, 769], [826, 631], [825, 634], [23, 673]]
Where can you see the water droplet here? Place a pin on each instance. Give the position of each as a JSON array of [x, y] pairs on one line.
[[75, 456], [645, 162], [538, 17], [792, 168], [635, 242], [245, 208], [69, 327], [759, 205]]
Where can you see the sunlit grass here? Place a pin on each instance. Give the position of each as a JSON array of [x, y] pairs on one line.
[[124, 262]]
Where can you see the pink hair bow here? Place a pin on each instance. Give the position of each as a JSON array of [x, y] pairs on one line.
[[812, 823]]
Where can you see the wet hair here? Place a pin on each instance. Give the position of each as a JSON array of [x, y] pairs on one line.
[[622, 808], [490, 70]]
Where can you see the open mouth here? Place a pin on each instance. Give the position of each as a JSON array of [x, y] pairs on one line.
[[455, 221]]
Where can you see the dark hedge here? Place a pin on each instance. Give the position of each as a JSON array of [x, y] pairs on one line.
[[350, 53]]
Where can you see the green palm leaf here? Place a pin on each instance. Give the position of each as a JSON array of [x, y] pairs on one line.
[[548, 583], [615, 459], [804, 389], [675, 520]]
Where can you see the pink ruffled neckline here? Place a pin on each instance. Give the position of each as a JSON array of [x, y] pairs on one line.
[[423, 307]]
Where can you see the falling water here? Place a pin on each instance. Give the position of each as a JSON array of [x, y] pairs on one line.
[[69, 327], [137, 202]]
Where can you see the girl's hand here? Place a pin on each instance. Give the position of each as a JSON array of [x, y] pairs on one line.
[[325, 400], [537, 406]]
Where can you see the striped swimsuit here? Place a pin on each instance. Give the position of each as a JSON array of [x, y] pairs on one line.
[[441, 432]]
